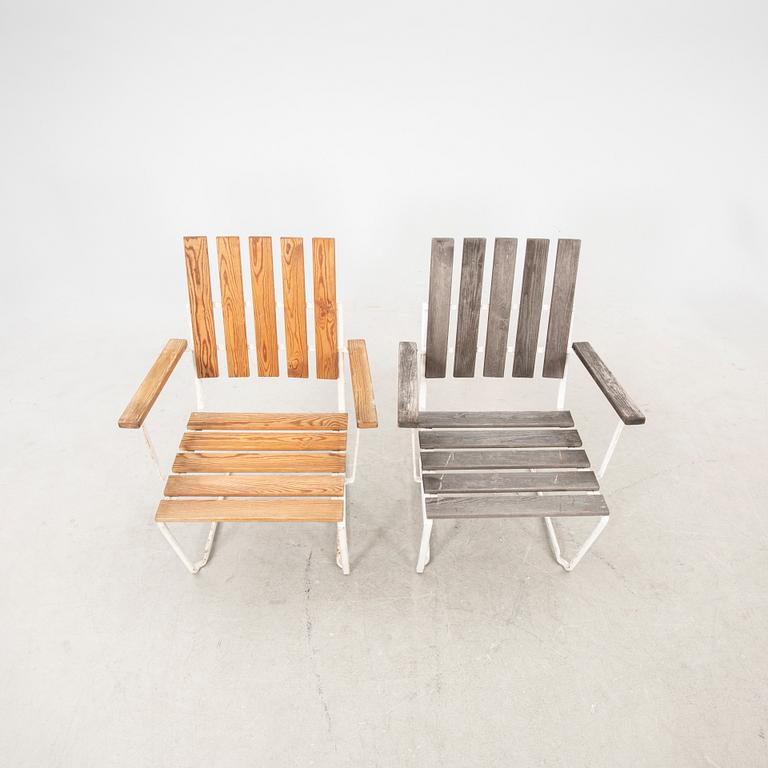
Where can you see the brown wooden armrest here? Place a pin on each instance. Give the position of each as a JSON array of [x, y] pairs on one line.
[[362, 388], [136, 411], [408, 385], [628, 412]]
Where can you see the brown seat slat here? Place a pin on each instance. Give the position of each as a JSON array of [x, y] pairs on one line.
[[264, 314], [255, 485], [289, 421], [201, 306], [495, 419], [498, 505], [499, 438], [439, 310], [263, 441], [468, 317], [499, 306], [295, 306], [501, 482], [546, 458], [561, 308], [531, 299], [291, 461], [233, 305], [250, 511], [324, 281]]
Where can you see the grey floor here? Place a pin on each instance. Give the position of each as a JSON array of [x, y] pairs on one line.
[[651, 653]]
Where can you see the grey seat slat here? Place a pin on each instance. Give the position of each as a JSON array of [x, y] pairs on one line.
[[495, 419], [505, 482], [498, 438], [498, 505], [546, 458]]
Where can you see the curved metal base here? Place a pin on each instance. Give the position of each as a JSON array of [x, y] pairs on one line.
[[569, 565], [190, 566]]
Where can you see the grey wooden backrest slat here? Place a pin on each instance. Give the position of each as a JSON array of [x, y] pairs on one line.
[[470, 295], [500, 305], [561, 308], [531, 298], [439, 311]]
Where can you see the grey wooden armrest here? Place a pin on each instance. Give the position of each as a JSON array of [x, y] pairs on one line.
[[136, 411], [628, 412], [408, 385]]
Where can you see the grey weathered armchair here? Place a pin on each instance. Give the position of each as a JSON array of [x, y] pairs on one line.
[[504, 463]]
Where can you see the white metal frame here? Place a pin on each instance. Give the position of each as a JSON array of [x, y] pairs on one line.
[[342, 544], [426, 530]]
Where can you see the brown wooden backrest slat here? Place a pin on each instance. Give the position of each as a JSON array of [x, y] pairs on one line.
[[500, 305], [468, 319], [295, 306], [264, 314], [233, 305], [201, 306], [561, 308], [324, 279], [439, 310], [531, 298]]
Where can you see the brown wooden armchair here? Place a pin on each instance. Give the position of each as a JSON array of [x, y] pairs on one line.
[[504, 463], [260, 467]]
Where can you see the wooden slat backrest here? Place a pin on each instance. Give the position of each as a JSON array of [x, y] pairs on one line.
[[499, 306], [295, 306], [233, 305], [531, 298], [470, 296], [201, 306], [439, 310], [264, 314], [561, 308], [324, 280]]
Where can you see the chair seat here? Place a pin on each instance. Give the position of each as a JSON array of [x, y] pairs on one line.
[[258, 467], [505, 464]]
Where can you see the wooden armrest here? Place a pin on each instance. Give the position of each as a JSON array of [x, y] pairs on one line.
[[628, 412], [408, 385], [136, 411], [362, 388]]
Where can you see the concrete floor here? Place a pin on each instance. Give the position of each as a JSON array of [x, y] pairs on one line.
[[651, 653]]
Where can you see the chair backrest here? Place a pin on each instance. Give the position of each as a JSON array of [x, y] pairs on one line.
[[233, 305], [531, 297]]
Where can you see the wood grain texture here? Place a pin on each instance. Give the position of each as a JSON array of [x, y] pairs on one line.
[[201, 306], [499, 438], [324, 279], [495, 419], [294, 306], [264, 314], [468, 318], [255, 485], [144, 398], [263, 441], [561, 308], [233, 305], [531, 298], [362, 386], [407, 384], [532, 458], [500, 306], [439, 310], [250, 511], [497, 505], [507, 482], [288, 421], [291, 461], [628, 412]]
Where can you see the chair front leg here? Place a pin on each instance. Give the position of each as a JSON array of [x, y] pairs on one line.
[[569, 565], [193, 568]]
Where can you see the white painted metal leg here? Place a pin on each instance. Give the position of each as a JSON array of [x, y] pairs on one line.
[[569, 565], [415, 456], [561, 389], [424, 553], [342, 548], [356, 449], [152, 452], [611, 449], [190, 566]]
